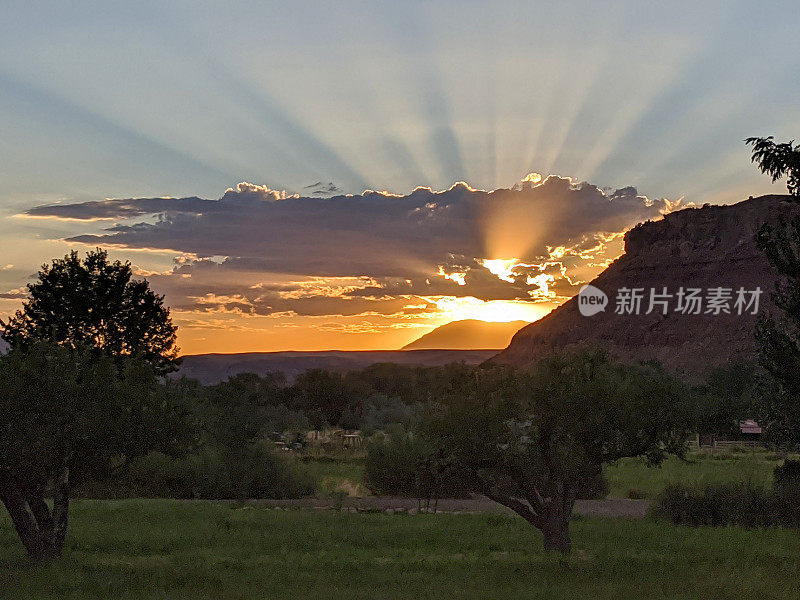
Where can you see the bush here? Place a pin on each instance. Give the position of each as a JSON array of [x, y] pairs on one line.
[[742, 504], [214, 473], [787, 475], [399, 465]]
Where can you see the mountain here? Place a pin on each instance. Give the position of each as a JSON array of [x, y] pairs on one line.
[[706, 247], [213, 368], [468, 334]]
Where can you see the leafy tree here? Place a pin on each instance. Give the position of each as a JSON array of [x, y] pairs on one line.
[[533, 441], [778, 336], [95, 303], [778, 160], [731, 394], [323, 396], [67, 414]]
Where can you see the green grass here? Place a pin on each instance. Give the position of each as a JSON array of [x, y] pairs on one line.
[[633, 478], [157, 549], [338, 475], [626, 478]]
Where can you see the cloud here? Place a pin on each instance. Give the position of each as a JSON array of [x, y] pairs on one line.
[[323, 189], [256, 250]]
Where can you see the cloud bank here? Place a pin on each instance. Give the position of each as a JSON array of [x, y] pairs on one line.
[[259, 251]]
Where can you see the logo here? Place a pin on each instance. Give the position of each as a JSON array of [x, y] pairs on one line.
[[591, 300]]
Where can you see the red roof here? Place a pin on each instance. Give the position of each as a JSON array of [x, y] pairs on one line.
[[749, 426]]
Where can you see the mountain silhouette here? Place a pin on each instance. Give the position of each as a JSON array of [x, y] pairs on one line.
[[468, 334], [705, 248]]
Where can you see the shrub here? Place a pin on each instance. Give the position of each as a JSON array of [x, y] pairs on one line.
[[214, 473], [787, 475], [400, 465], [743, 504]]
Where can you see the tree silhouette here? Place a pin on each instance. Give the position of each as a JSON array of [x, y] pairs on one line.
[[80, 388], [96, 304], [778, 337], [778, 160]]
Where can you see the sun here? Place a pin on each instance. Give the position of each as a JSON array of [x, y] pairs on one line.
[[495, 311]]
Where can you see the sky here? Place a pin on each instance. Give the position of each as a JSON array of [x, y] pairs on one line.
[[318, 175]]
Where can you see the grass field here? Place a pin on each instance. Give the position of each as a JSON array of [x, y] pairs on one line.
[[157, 549], [626, 478], [632, 477], [338, 475]]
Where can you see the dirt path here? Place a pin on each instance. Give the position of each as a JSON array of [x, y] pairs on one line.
[[610, 507]]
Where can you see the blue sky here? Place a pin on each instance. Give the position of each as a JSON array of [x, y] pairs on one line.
[[128, 100]]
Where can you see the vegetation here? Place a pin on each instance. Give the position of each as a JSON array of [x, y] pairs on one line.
[[634, 478], [79, 389], [742, 504], [67, 415], [154, 549], [95, 303], [534, 441], [778, 336], [731, 394], [404, 464]]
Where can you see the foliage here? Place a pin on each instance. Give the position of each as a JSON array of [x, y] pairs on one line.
[[245, 409], [534, 441], [742, 504], [778, 336], [67, 414], [213, 473], [778, 160], [95, 303], [696, 469], [731, 394], [787, 475], [400, 464], [381, 412], [322, 395]]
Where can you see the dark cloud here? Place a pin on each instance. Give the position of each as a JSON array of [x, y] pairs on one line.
[[418, 245], [323, 189]]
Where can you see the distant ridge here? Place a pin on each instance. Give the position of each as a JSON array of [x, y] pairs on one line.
[[468, 334], [213, 368]]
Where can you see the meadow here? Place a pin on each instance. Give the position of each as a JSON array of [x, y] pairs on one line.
[[156, 549], [627, 478]]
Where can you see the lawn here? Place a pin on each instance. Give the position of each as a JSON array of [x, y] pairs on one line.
[[158, 549], [626, 478], [632, 478]]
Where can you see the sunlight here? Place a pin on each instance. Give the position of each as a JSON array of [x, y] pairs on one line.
[[503, 268], [496, 311]]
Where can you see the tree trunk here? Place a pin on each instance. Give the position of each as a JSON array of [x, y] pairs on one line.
[[23, 519], [41, 531], [556, 531], [60, 513]]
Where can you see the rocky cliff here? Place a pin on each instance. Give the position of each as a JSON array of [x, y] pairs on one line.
[[708, 247]]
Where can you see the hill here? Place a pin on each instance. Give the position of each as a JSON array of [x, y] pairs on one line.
[[468, 334], [705, 248], [213, 368]]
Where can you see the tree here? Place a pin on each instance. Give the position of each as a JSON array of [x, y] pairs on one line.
[[323, 396], [778, 160], [732, 393], [67, 414], [79, 389], [778, 336], [95, 303], [533, 440]]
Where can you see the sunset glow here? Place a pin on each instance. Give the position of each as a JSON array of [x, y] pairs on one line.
[[511, 147]]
